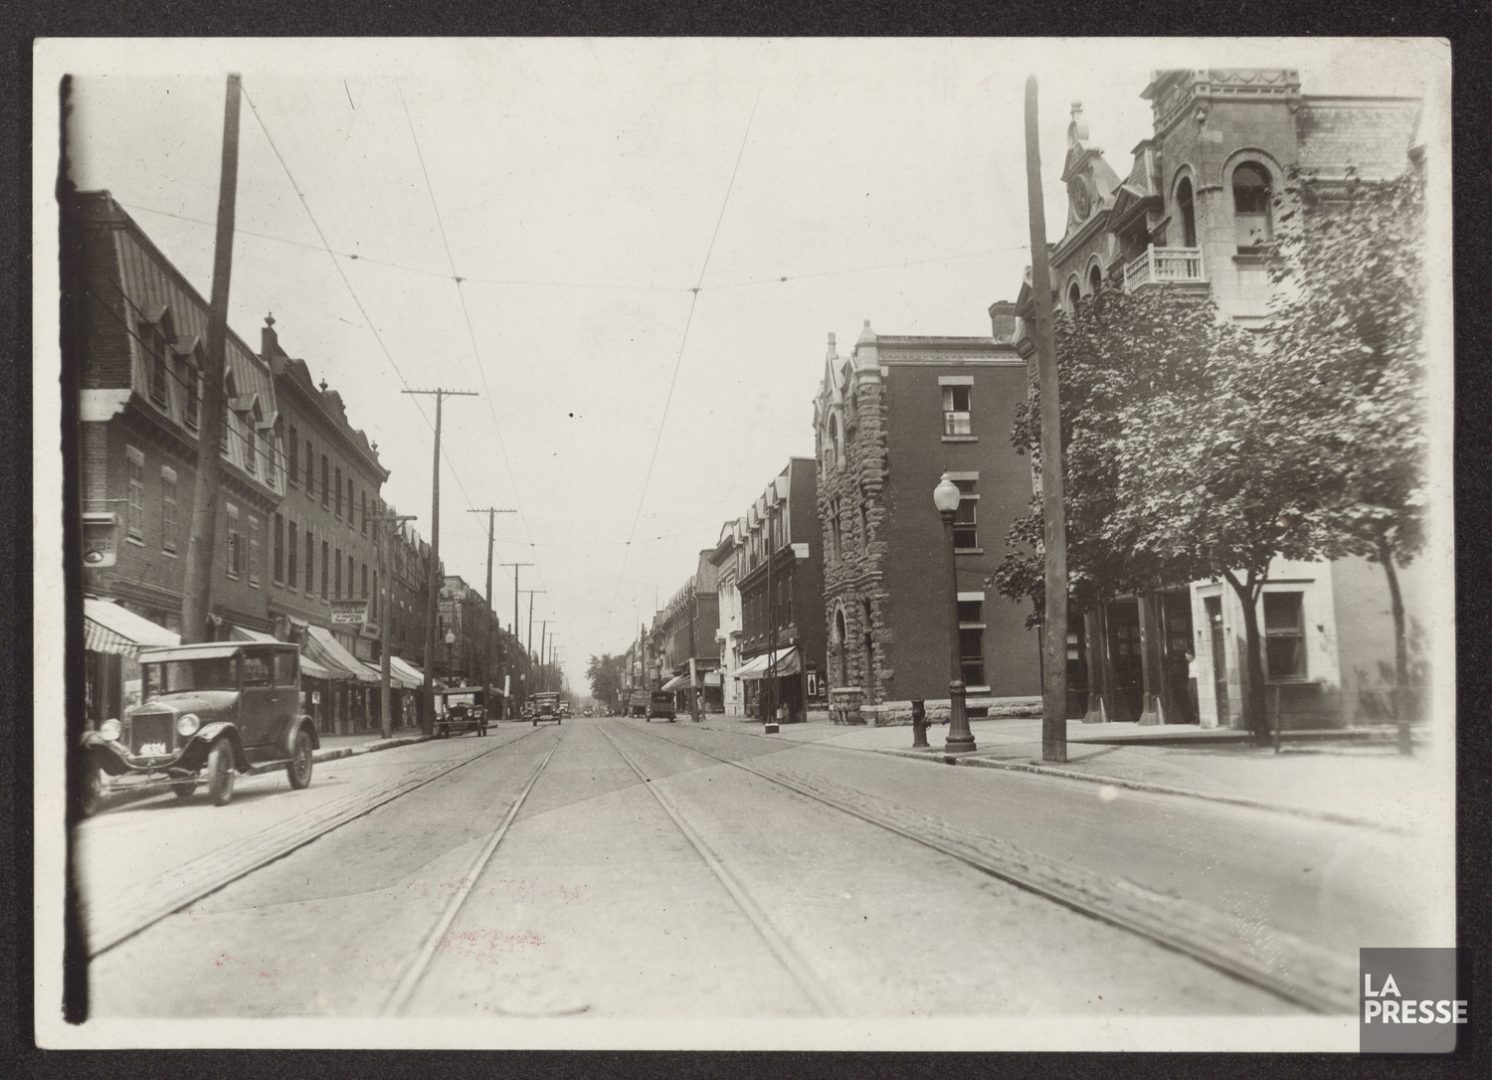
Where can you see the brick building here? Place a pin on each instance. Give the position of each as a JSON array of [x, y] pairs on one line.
[[687, 628], [780, 576], [889, 420], [323, 541], [1195, 210], [135, 331]]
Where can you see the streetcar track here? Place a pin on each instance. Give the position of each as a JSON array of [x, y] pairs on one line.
[[420, 963], [173, 890], [814, 987], [1325, 986]]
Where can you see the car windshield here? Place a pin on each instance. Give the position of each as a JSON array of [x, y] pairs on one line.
[[178, 675]]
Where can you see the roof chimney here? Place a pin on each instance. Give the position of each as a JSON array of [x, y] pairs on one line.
[[269, 341]]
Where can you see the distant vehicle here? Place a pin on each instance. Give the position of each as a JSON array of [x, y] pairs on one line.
[[589, 711], [637, 703], [547, 707], [219, 709], [459, 709], [564, 708], [660, 705]]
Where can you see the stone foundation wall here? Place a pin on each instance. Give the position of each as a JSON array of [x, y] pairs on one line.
[[895, 713]]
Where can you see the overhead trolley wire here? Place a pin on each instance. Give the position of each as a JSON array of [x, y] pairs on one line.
[[679, 359]]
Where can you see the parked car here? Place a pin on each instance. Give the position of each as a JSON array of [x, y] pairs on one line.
[[637, 703], [208, 713], [660, 705]]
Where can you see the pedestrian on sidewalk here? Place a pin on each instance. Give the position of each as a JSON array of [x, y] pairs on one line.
[[1193, 673]]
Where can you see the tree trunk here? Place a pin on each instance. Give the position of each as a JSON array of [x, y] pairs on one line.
[[1401, 647], [1255, 715]]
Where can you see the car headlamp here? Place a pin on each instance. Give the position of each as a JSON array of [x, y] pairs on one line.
[[109, 729], [188, 723]]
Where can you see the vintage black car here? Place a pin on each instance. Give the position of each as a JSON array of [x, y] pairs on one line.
[[546, 707], [459, 709], [661, 706], [208, 712]]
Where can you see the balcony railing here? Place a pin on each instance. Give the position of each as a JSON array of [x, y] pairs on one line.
[[1164, 266]]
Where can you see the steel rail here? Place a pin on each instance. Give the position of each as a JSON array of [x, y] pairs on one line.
[[813, 986], [112, 935], [420, 964], [1324, 997]]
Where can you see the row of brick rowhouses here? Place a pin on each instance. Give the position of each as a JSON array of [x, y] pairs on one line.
[[297, 553], [829, 593]]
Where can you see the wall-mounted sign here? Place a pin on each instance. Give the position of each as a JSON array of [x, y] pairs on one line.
[[99, 529], [349, 612]]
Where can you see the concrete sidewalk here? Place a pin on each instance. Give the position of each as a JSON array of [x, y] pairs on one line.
[[364, 742], [1350, 779]]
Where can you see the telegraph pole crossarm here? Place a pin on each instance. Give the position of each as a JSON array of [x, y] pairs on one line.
[[427, 694], [385, 625]]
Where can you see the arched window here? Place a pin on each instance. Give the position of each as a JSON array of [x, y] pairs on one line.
[[1187, 211], [840, 634], [1074, 294], [1251, 205], [835, 457], [1095, 280]]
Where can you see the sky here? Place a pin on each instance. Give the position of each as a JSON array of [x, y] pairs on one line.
[[582, 190]]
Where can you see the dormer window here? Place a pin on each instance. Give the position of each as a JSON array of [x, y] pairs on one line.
[[191, 383], [155, 348]]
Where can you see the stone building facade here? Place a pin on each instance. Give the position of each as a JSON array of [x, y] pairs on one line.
[[889, 420], [728, 603], [1196, 210]]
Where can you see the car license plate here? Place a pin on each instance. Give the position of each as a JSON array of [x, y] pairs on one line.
[[150, 749]]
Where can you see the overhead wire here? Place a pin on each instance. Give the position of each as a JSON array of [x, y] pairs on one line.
[[679, 359]]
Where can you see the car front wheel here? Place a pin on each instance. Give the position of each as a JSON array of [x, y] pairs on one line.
[[220, 774], [300, 765]]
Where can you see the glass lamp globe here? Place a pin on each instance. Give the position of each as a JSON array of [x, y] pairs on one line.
[[946, 495]]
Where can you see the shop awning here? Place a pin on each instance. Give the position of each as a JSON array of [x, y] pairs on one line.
[[330, 653], [407, 670], [788, 663], [309, 669], [676, 682], [397, 679], [109, 628]]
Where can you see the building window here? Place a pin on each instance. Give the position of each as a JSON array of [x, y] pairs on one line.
[[1074, 294], [1095, 280], [326, 483], [278, 540], [326, 558], [337, 591], [1284, 636], [134, 516], [292, 569], [253, 551], [310, 563], [835, 457], [235, 542], [1188, 211], [168, 510], [363, 592], [155, 351], [836, 537], [337, 509], [966, 518], [251, 447], [365, 513], [191, 382], [1251, 206], [227, 431], [956, 410], [971, 638], [293, 468], [310, 469]]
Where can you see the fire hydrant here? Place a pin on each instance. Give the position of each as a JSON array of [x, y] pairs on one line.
[[919, 725]]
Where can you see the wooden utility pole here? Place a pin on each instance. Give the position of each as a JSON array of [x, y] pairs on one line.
[[543, 678], [196, 594], [427, 691], [491, 512], [1054, 630], [528, 641], [382, 531], [515, 566]]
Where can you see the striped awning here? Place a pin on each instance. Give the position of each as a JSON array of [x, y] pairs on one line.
[[397, 679], [410, 673], [676, 682], [109, 628], [330, 654], [762, 666]]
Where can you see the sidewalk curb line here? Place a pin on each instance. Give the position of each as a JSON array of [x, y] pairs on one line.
[[336, 752], [1141, 785], [939, 758]]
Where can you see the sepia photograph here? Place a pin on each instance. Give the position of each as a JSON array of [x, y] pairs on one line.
[[730, 543]]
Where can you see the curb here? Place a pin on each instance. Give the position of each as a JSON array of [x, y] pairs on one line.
[[336, 752], [1141, 785]]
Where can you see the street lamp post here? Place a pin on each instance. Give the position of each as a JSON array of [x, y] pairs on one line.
[[960, 740], [450, 640]]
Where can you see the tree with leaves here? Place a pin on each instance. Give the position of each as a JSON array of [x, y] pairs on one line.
[[605, 675], [1349, 269], [1185, 458]]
